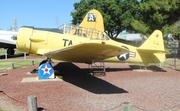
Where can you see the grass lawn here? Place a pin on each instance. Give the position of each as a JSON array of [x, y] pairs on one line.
[[7, 63], [3, 51]]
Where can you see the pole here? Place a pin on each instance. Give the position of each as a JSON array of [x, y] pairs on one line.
[[127, 107], [32, 103]]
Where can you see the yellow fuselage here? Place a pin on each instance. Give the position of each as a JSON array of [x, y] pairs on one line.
[[44, 41]]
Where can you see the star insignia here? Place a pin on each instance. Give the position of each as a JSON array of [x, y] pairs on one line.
[[123, 56], [46, 70]]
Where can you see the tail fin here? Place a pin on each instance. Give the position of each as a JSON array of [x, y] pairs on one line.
[[93, 20], [152, 50], [154, 42]]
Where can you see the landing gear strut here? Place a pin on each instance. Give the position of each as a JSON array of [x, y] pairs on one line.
[[47, 60], [98, 68]]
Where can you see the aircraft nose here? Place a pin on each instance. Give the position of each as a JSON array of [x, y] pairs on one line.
[[23, 42]]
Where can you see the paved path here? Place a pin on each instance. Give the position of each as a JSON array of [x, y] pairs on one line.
[[7, 106]]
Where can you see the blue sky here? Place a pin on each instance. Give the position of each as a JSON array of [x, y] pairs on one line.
[[38, 13]]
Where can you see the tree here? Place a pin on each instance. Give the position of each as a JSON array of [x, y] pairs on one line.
[[142, 16], [117, 14], [158, 14]]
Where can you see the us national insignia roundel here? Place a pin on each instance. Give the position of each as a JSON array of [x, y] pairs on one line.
[[45, 71], [124, 56]]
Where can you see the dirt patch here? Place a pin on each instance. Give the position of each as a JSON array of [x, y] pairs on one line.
[[80, 90], [7, 106]]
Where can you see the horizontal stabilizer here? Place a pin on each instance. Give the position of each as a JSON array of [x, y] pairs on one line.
[[153, 51]]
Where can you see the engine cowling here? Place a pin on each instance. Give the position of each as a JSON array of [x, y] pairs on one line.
[[23, 39]]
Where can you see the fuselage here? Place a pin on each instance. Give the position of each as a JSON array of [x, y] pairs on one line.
[[34, 40], [38, 38], [8, 39]]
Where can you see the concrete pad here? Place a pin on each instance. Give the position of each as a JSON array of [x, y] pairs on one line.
[[34, 79], [142, 70]]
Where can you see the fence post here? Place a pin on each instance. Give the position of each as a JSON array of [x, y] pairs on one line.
[[127, 107], [32, 62], [32, 103], [12, 65], [161, 64], [6, 56], [24, 55]]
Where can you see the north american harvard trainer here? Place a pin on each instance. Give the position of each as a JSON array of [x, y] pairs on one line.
[[88, 43]]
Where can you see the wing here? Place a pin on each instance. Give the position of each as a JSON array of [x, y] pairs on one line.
[[88, 52]]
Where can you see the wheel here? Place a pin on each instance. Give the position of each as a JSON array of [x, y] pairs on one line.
[[10, 51]]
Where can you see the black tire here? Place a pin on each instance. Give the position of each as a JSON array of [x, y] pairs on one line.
[[10, 51]]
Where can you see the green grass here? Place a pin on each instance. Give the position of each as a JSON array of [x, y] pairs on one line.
[[17, 63], [6, 64], [3, 51]]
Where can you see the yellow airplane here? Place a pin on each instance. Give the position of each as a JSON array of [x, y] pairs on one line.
[[87, 43]]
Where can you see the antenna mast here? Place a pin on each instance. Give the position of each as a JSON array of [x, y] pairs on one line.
[[14, 25], [57, 21]]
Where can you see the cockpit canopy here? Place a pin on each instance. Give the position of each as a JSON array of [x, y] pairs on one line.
[[84, 32]]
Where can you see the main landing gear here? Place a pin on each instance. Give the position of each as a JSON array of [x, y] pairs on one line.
[[10, 51], [47, 60], [98, 69]]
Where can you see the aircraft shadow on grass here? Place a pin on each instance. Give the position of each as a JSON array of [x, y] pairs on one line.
[[83, 79]]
